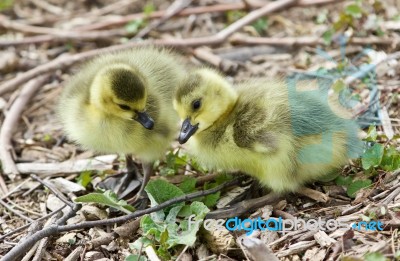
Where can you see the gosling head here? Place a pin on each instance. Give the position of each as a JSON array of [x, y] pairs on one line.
[[203, 98], [121, 91]]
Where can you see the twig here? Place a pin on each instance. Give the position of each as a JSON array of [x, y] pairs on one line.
[[161, 13], [193, 11], [351, 209], [16, 188], [182, 253], [151, 253], [26, 226], [205, 54], [99, 163], [48, 7], [74, 255], [15, 211], [258, 249], [31, 252], [68, 60], [313, 194], [44, 241], [15, 205], [67, 35], [55, 191], [23, 246], [172, 10], [243, 207], [308, 41], [9, 123], [391, 196], [361, 73]]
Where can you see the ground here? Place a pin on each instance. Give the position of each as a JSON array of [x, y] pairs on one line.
[[42, 44]]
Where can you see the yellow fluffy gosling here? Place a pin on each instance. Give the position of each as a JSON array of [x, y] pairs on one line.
[[122, 103], [282, 133]]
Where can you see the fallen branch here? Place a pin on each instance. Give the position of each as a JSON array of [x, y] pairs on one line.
[[100, 163], [244, 207], [172, 10], [193, 11], [26, 226], [16, 212], [53, 190], [309, 41], [12, 25], [258, 250], [11, 119], [68, 60], [52, 230], [206, 54]]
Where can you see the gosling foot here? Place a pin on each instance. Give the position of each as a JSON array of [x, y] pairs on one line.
[[124, 183], [141, 196]]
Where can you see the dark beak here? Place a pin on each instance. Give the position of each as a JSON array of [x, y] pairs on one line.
[[144, 119], [187, 131]]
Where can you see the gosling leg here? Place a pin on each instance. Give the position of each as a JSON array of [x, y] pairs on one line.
[[125, 182], [147, 173]]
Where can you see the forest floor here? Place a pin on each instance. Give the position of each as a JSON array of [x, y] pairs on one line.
[[42, 44]]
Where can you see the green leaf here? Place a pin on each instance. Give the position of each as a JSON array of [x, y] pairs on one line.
[[354, 10], [375, 256], [174, 161], [327, 36], [261, 25], [371, 134], [185, 211], [6, 4], [354, 187], [329, 176], [373, 156], [84, 178], [185, 234], [212, 199], [150, 227], [391, 159], [133, 26], [148, 9], [171, 217], [140, 243], [233, 16], [224, 177], [199, 209], [344, 181], [162, 190], [107, 198], [322, 16], [338, 86], [188, 185], [136, 258]]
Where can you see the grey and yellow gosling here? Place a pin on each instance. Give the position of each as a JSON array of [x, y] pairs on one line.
[[280, 132]]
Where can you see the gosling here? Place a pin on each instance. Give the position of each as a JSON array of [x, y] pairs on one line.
[[272, 130], [122, 103]]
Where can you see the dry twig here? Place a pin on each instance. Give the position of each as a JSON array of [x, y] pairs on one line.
[[8, 126], [68, 60], [23, 246]]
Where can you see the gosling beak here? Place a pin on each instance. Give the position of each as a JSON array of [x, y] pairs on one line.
[[187, 131], [144, 119]]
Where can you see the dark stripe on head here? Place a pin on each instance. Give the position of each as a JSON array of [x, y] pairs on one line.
[[191, 83], [126, 85]]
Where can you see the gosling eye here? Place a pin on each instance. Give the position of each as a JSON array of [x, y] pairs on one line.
[[196, 104], [124, 107]]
